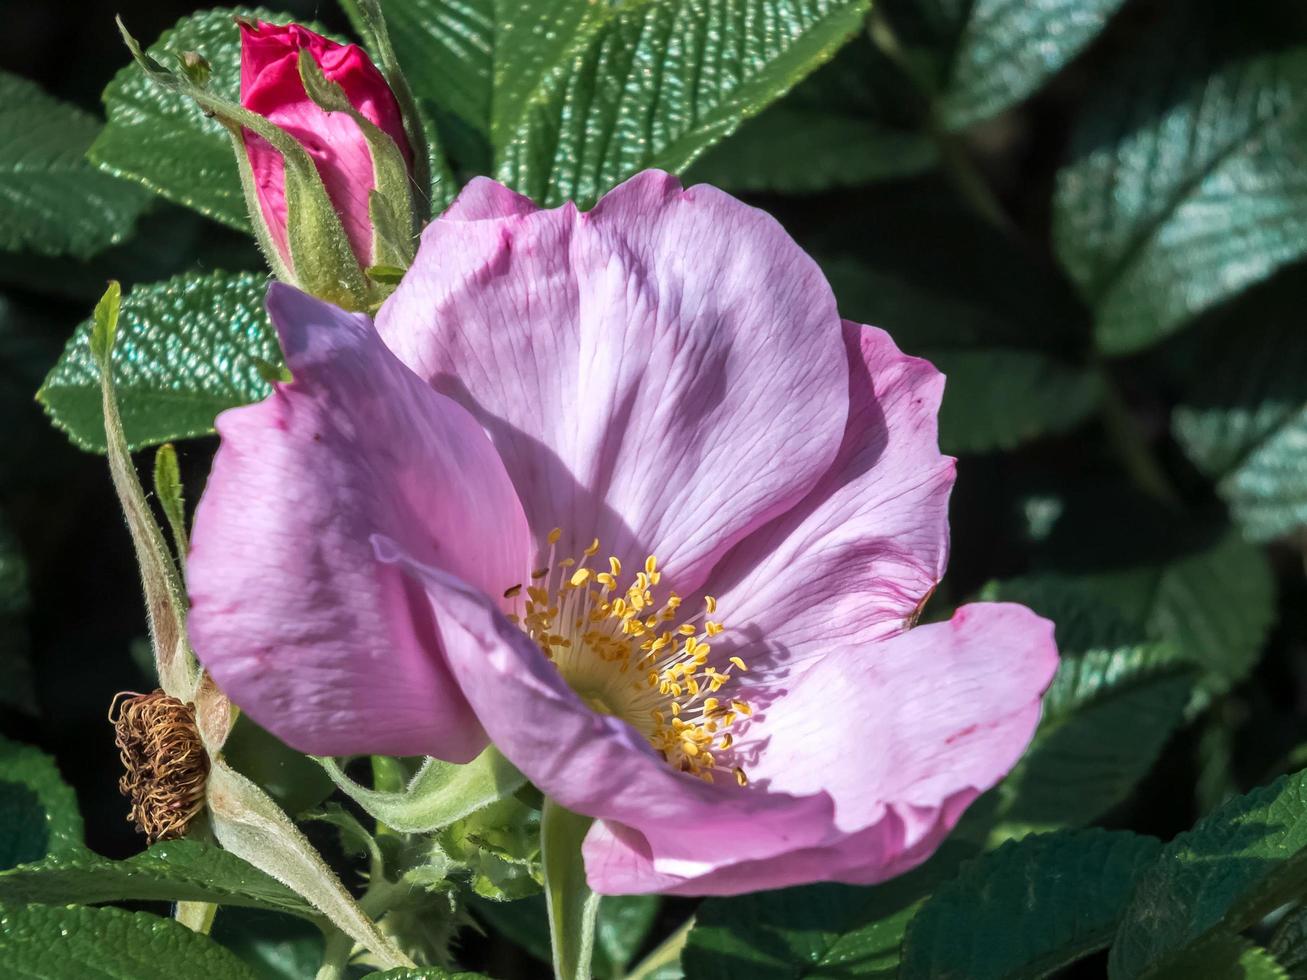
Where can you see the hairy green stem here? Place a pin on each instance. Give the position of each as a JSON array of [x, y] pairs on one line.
[[572, 906]]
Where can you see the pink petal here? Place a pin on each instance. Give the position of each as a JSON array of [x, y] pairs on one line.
[[665, 372], [296, 620], [902, 736], [271, 86], [860, 762], [856, 558], [589, 762]]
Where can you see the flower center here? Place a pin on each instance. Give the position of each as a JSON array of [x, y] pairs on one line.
[[630, 653]]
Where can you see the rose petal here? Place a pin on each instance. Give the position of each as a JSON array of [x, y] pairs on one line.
[[902, 735], [271, 86], [856, 558], [332, 651], [593, 763], [665, 372]]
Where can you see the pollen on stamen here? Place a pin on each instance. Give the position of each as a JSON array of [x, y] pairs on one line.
[[629, 651]]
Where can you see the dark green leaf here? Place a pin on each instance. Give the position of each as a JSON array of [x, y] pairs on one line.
[[173, 871], [624, 922], [1184, 184], [39, 942], [854, 120], [447, 51], [1236, 865], [1194, 584], [1213, 602], [162, 139], [187, 349], [1115, 700], [38, 811], [1028, 908], [274, 947], [1224, 957], [1289, 943], [656, 83], [53, 201], [838, 150], [999, 326], [831, 931], [1243, 418], [979, 57]]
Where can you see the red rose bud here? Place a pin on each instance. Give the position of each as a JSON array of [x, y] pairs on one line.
[[273, 87]]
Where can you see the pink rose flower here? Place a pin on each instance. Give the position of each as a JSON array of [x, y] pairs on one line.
[[271, 86], [620, 492]]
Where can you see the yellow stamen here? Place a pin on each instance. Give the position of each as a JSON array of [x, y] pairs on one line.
[[623, 645]]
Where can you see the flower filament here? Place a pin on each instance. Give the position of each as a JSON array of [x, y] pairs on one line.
[[628, 653]]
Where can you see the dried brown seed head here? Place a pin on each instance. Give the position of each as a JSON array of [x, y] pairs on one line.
[[164, 761]]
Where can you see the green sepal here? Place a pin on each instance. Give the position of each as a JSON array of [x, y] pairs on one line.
[[165, 595], [322, 262]]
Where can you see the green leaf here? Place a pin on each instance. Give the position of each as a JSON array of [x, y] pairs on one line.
[[996, 315], [1243, 417], [1289, 943], [654, 83], [1114, 702], [1236, 865], [830, 931], [979, 57], [1225, 957], [173, 871], [54, 202], [1212, 599], [1195, 584], [438, 795], [853, 118], [1028, 908], [38, 810], [624, 923], [1185, 182], [41, 941], [187, 349], [274, 947], [160, 138], [839, 150], [447, 53]]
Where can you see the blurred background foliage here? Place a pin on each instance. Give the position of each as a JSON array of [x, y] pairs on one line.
[[1091, 214]]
